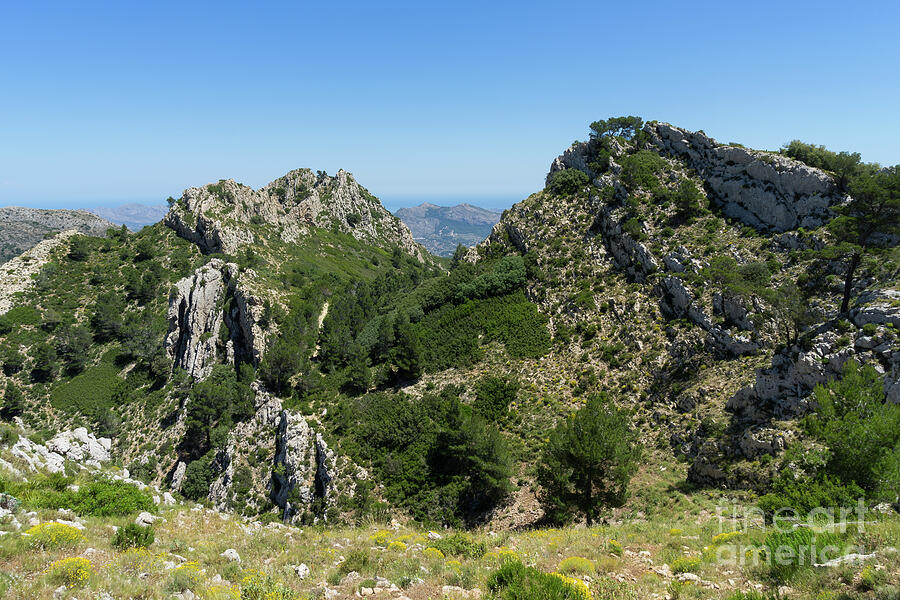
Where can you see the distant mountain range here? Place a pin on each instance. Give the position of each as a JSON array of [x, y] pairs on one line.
[[133, 216], [22, 228], [442, 228]]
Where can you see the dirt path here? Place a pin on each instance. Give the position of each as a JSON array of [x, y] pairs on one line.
[[322, 316]]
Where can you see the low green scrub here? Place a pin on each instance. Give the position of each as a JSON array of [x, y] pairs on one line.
[[450, 335], [639, 170], [788, 552], [515, 581], [459, 544], [568, 182], [802, 495], [859, 427], [435, 457], [94, 499], [132, 536], [90, 393]]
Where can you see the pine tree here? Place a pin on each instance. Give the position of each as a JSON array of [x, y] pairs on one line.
[[13, 402], [588, 461]]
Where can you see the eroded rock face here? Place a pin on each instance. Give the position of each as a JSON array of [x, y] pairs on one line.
[[761, 412], [879, 307], [308, 474], [628, 253], [246, 443], [78, 446], [762, 189], [217, 217], [198, 319], [195, 318], [677, 301], [304, 467]]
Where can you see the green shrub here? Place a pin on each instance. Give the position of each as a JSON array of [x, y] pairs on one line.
[[576, 564], [804, 494], [639, 170], [493, 395], [787, 552], [71, 572], [685, 564], [359, 561], [95, 499], [859, 427], [89, 393], [515, 581], [258, 586], [133, 536], [459, 544], [9, 435], [13, 404], [52, 536], [568, 182], [197, 477]]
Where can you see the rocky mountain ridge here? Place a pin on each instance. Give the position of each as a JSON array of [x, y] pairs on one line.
[[253, 331], [22, 228], [625, 229], [442, 228], [215, 217]]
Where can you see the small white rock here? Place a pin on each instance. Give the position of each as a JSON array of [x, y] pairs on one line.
[[232, 555]]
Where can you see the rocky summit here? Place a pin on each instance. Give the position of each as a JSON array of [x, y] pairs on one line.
[[280, 391]]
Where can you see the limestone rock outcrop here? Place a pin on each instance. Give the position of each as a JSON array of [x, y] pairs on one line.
[[221, 217], [307, 471], [762, 189], [200, 319], [677, 301], [252, 438], [78, 446], [628, 253]]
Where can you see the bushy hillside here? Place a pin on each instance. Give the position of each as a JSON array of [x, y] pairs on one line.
[[719, 317]]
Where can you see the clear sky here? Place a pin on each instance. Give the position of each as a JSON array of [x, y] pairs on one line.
[[105, 103]]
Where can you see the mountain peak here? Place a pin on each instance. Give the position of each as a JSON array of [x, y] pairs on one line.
[[224, 216]]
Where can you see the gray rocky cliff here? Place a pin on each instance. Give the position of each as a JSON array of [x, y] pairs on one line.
[[762, 189], [246, 443], [220, 217], [308, 476], [201, 319]]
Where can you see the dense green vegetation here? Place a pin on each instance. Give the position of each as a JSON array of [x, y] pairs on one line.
[[860, 458], [436, 457], [97, 498], [403, 327]]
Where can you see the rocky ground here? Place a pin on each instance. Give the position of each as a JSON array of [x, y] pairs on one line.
[[683, 549]]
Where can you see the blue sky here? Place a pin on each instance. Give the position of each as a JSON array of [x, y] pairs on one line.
[[105, 103]]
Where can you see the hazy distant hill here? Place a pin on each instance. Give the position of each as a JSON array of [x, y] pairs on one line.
[[133, 216], [442, 228], [22, 228]]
